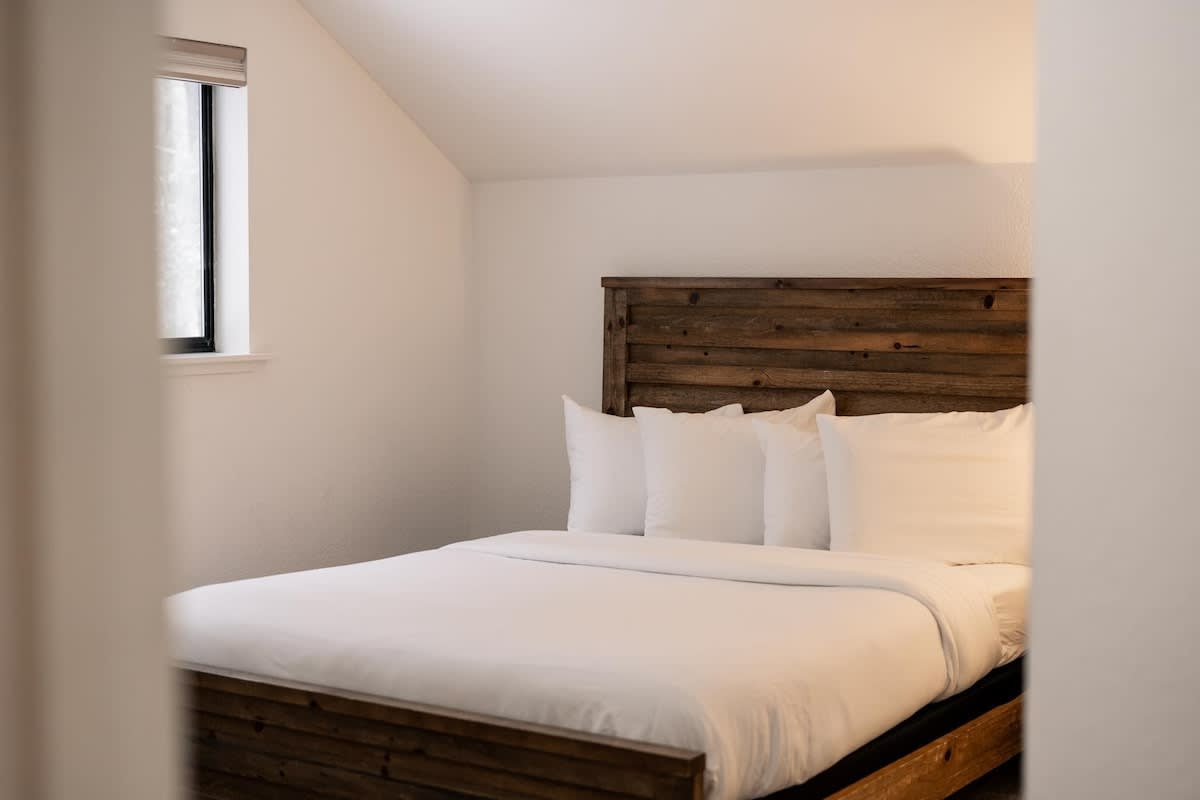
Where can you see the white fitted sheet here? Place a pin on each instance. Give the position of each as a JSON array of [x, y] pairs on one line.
[[1008, 585], [776, 662]]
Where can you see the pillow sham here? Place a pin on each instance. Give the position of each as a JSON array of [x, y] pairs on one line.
[[704, 475], [795, 501], [608, 479], [953, 487]]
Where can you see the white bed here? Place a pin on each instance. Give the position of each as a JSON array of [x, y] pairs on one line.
[[776, 662]]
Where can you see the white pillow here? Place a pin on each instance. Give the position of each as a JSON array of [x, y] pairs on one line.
[[704, 475], [608, 479], [795, 501], [953, 487]]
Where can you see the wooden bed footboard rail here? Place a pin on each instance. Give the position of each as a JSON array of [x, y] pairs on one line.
[[949, 763], [252, 740]]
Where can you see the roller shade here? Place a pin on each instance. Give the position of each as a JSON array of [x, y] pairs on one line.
[[203, 62]]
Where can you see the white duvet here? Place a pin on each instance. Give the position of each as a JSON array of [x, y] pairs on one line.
[[776, 662]]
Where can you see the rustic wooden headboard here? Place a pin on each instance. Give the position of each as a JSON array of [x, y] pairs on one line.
[[911, 344]]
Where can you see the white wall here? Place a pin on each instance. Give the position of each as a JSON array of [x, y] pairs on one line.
[[1115, 653], [344, 446], [541, 247], [524, 89]]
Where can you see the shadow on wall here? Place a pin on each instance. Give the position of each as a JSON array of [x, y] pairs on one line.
[[862, 159]]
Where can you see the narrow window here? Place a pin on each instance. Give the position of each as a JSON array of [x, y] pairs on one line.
[[184, 208]]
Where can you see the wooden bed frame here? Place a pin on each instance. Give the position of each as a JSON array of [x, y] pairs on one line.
[[689, 344]]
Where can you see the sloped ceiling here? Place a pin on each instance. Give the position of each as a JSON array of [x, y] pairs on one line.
[[537, 88]]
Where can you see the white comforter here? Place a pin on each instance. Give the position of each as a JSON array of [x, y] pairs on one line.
[[776, 662]]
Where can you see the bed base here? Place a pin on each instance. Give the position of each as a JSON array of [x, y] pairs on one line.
[[949, 763], [253, 740]]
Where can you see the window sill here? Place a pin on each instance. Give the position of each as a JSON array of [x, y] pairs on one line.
[[212, 363]]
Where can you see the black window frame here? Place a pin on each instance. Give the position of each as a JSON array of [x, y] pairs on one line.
[[207, 343]]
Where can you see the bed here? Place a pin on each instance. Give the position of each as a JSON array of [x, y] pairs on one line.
[[313, 685]]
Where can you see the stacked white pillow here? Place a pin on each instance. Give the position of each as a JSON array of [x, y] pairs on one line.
[[953, 487], [795, 505], [608, 478], [704, 474]]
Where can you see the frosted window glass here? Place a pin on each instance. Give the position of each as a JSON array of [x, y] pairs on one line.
[[179, 208]]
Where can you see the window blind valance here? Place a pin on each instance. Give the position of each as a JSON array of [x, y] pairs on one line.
[[203, 62]]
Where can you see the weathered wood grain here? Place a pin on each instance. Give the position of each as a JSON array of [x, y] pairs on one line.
[[210, 785], [341, 744], [308, 778], [880, 344], [993, 297], [799, 337], [615, 392], [604, 749], [1016, 364], [949, 763], [996, 284], [836, 380], [405, 741], [746, 320], [411, 765], [706, 398]]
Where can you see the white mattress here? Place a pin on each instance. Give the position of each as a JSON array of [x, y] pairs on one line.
[[776, 662], [1008, 585]]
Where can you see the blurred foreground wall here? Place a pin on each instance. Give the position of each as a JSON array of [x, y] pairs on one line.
[[84, 688]]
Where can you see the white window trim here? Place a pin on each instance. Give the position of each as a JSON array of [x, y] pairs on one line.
[[179, 364]]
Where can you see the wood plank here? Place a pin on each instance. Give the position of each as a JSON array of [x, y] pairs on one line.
[[411, 766], [741, 321], [836, 380], [323, 780], [210, 785], [882, 361], [996, 284], [796, 338], [401, 739], [706, 398], [855, 404], [658, 759], [949, 763], [615, 391], [916, 299]]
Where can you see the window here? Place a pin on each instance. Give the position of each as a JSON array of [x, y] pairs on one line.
[[184, 206], [201, 201]]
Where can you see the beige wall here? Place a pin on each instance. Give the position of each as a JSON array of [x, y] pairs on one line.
[[84, 684], [16, 664], [540, 248], [346, 445], [524, 89], [1115, 652]]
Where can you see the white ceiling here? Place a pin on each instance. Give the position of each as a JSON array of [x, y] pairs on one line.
[[533, 88]]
